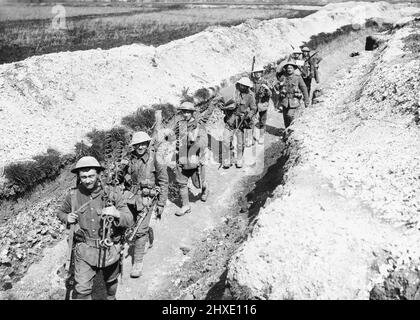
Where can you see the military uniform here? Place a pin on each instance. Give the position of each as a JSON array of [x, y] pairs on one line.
[[244, 107], [89, 257], [309, 72], [290, 89], [141, 174], [263, 94], [192, 142]]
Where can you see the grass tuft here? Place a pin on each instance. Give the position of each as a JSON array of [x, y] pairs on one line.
[[24, 176]]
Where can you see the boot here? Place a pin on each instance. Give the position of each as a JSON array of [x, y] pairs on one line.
[[136, 271], [184, 210], [205, 194], [226, 164], [111, 290], [239, 163], [261, 139]]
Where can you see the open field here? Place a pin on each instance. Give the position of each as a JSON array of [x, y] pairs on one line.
[[30, 12], [23, 38]]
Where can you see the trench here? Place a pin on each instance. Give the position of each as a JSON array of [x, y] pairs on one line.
[[254, 194], [251, 194]]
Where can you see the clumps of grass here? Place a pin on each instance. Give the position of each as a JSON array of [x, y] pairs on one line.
[[324, 38], [24, 176], [144, 118], [98, 142], [202, 94]]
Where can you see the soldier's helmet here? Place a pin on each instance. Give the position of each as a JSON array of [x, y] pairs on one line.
[[289, 62], [258, 69], [305, 49], [87, 162], [245, 81], [297, 51], [139, 137], [187, 106]]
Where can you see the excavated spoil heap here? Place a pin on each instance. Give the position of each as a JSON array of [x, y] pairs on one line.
[[346, 220]]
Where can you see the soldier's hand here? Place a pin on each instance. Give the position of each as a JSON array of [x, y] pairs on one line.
[[80, 236], [111, 211], [72, 218]]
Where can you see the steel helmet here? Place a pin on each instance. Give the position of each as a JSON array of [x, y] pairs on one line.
[[258, 69], [87, 162], [296, 51], [305, 49], [139, 137], [187, 106], [246, 82], [288, 62]]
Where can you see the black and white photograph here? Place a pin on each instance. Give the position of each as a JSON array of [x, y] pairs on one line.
[[209, 154]]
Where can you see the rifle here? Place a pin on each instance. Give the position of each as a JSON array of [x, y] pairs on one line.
[[130, 233], [69, 283], [310, 57], [199, 176]]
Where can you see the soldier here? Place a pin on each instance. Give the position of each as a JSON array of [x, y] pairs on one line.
[[309, 69], [263, 94], [297, 56], [191, 143], [90, 255], [142, 172], [290, 88], [238, 116]]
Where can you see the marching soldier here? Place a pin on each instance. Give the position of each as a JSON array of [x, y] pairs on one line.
[[239, 114], [263, 94], [309, 69], [296, 55], [142, 173], [290, 88], [191, 143], [84, 206]]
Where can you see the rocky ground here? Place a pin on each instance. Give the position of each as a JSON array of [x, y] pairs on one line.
[[345, 224]]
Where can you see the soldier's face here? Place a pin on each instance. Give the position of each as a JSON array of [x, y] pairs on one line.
[[88, 178], [242, 88], [258, 75], [290, 69], [305, 54], [296, 56], [187, 114], [140, 148]]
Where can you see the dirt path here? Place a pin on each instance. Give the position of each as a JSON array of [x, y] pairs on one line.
[[176, 236]]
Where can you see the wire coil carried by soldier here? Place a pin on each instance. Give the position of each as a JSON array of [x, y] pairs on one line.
[[97, 217]]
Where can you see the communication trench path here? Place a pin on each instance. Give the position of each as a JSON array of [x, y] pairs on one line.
[[175, 235]]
